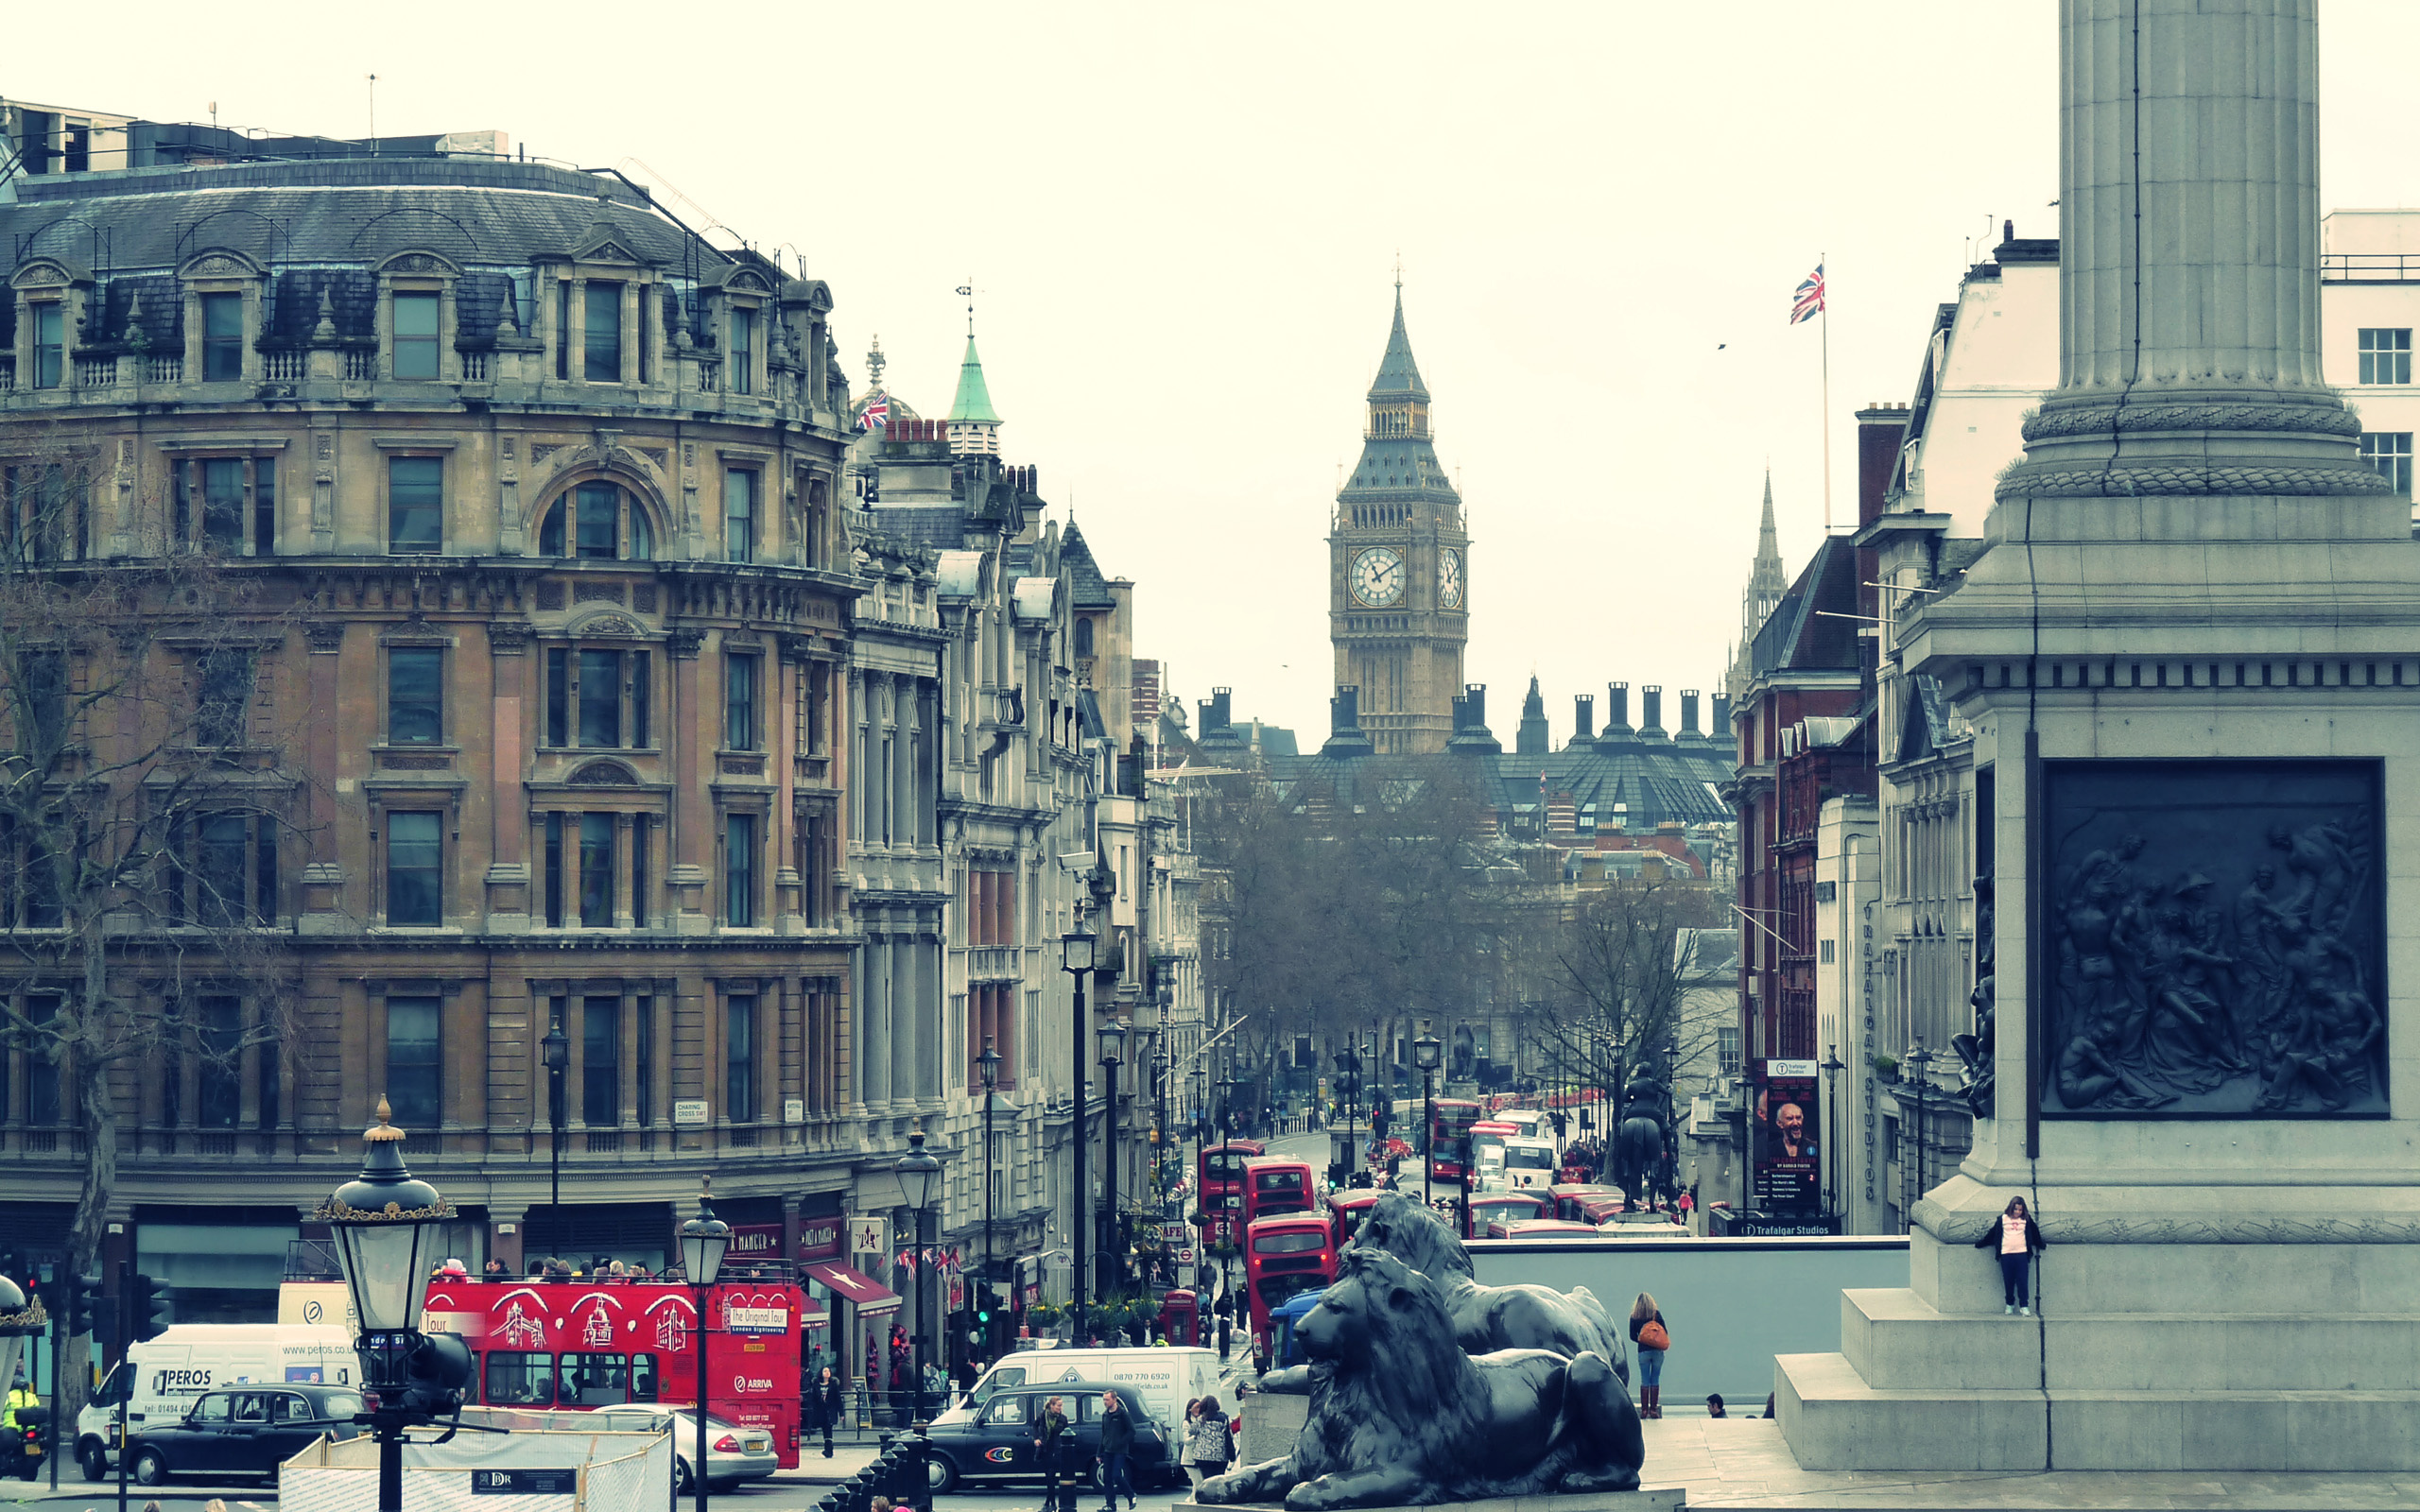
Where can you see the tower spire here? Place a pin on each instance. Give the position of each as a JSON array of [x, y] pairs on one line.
[[974, 424]]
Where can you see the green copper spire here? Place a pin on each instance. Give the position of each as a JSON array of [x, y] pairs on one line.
[[973, 406]]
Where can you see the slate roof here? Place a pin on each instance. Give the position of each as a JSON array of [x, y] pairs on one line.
[[1398, 375], [1797, 638], [1390, 464], [939, 526], [323, 227], [1087, 587], [1659, 782]]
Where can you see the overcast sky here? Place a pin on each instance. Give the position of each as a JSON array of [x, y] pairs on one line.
[[1182, 224]]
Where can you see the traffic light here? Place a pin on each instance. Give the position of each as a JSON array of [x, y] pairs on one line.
[[154, 1307], [440, 1373], [83, 1313]]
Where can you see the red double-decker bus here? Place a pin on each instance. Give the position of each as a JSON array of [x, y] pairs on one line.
[[1274, 1184], [1220, 1177], [598, 1343], [1449, 1139], [1284, 1256]]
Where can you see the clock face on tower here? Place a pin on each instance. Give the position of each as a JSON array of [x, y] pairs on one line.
[[1377, 577], [1449, 578]]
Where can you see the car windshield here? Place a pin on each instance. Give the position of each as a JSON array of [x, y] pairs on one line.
[[1530, 1160], [340, 1405]]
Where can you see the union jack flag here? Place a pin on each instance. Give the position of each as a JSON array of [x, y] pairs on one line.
[[1808, 301], [878, 412]]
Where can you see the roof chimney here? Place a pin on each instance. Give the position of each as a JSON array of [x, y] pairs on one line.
[[1722, 730], [1651, 712], [1689, 731], [1344, 723], [1616, 707], [1583, 716]]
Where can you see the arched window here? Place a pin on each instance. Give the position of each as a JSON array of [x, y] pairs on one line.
[[1084, 636], [597, 521]]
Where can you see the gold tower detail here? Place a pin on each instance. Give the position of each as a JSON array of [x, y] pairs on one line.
[[1399, 586]]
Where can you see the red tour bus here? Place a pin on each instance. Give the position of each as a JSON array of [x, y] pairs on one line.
[[1273, 1185], [1284, 1256], [597, 1343], [1347, 1209], [1222, 1178], [1455, 1116]]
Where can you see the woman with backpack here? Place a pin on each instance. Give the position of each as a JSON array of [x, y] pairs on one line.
[[1647, 1330]]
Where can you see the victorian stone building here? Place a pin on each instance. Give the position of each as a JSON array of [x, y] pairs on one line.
[[528, 500]]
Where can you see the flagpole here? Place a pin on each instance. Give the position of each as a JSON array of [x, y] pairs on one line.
[[1824, 310]]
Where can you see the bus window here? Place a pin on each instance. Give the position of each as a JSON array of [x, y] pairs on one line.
[[1279, 1180], [1289, 1244], [519, 1379], [591, 1380], [643, 1378]]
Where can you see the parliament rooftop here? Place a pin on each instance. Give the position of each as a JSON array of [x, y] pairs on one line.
[[526, 492]]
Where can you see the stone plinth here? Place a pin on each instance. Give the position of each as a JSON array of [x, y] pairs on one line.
[[1646, 1499], [1272, 1421]]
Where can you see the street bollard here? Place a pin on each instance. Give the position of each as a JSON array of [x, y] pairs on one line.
[[860, 1489]]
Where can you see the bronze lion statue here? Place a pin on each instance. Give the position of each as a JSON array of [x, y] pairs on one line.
[[1491, 1317], [1400, 1416]]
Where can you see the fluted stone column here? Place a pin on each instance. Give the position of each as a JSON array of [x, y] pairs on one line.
[[2188, 260]]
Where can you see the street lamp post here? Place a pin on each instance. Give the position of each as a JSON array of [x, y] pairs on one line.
[[1226, 1231], [989, 1061], [919, 1173], [1113, 1254], [1920, 1061], [385, 1226], [556, 1050], [1428, 1053], [703, 1239], [1201, 1079], [1079, 948], [1832, 1067]]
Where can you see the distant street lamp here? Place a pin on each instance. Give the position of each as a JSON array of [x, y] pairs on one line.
[[556, 1051], [1833, 1064], [1079, 948], [1428, 1053], [703, 1239], [989, 1062], [919, 1175], [1112, 1253]]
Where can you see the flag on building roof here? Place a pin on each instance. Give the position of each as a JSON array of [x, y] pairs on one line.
[[1808, 301], [877, 411]]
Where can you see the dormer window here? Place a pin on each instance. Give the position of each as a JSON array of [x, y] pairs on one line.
[[415, 316], [603, 345], [222, 338], [50, 344], [743, 352], [598, 521]]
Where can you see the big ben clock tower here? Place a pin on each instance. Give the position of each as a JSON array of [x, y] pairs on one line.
[[1399, 568]]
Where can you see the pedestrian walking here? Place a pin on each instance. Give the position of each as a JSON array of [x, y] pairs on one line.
[[1647, 1331], [1116, 1443], [1209, 1445], [1050, 1444], [832, 1399], [2017, 1237]]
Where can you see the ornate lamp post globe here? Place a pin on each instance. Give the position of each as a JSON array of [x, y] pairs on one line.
[[386, 1229], [919, 1175], [1428, 1053], [20, 1319], [1076, 950], [703, 1239]]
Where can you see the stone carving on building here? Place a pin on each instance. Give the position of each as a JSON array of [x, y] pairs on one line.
[[1975, 1051], [2214, 944], [1399, 1415]]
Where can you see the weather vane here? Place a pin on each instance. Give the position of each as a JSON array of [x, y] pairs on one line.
[[966, 292]]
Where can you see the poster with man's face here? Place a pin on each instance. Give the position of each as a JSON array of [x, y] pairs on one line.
[[1788, 1169]]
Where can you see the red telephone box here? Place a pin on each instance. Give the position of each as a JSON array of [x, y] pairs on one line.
[[1180, 1319]]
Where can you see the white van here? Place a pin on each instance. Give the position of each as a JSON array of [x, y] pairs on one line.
[[1166, 1379], [159, 1380], [1529, 1163]]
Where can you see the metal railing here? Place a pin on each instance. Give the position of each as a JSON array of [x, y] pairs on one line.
[[2369, 267]]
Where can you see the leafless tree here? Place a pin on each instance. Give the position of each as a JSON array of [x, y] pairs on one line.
[[145, 810], [1613, 984]]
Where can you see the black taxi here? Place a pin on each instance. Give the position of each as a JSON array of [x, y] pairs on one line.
[[998, 1444], [243, 1431]]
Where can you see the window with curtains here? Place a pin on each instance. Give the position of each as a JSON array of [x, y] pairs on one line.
[[596, 878], [580, 855], [415, 868], [224, 504], [48, 513], [415, 696], [600, 1061], [739, 1071], [743, 352], [414, 1084], [643, 1063], [992, 1013], [741, 731], [604, 696], [739, 870], [991, 907], [415, 335], [739, 514], [415, 505], [598, 521]]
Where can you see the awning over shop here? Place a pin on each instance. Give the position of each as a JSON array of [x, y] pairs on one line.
[[871, 1297], [814, 1316]]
